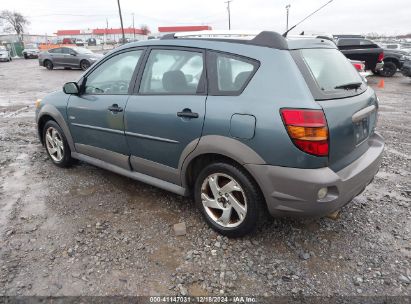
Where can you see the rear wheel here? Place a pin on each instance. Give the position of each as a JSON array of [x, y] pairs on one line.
[[228, 198], [84, 65], [389, 69], [56, 144], [48, 64]]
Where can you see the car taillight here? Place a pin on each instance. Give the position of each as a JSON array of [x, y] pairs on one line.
[[359, 66], [381, 57], [307, 129]]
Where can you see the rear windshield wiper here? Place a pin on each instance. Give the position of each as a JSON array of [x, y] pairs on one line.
[[349, 86]]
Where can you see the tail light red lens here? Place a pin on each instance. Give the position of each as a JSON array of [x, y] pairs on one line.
[[359, 67], [381, 57], [307, 129]]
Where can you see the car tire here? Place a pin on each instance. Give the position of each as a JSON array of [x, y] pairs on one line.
[[84, 65], [25, 56], [48, 64], [56, 144], [229, 199], [389, 69]]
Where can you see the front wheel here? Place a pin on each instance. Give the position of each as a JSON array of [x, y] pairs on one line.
[[48, 64], [228, 198], [56, 144]]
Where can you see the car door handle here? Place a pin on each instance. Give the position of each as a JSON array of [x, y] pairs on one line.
[[186, 113], [115, 108]]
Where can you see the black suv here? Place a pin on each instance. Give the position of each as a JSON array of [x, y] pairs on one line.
[[364, 50], [393, 61]]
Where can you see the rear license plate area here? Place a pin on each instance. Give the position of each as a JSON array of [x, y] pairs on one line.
[[362, 130]]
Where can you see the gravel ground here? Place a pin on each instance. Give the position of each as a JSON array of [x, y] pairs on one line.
[[86, 231]]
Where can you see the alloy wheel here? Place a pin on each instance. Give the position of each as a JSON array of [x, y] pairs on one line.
[[224, 200], [54, 144]]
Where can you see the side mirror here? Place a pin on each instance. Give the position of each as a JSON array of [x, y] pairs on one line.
[[71, 88], [73, 54]]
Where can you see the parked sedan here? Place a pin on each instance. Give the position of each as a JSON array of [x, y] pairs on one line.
[[4, 54], [31, 51], [68, 57]]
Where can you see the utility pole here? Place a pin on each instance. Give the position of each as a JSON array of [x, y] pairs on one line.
[[287, 7], [229, 13], [121, 20], [134, 29], [106, 32]]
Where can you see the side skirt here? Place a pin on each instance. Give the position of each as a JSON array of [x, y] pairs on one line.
[[132, 174]]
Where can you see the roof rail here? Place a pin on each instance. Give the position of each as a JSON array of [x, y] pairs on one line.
[[264, 38]]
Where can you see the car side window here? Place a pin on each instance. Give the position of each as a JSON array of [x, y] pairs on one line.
[[114, 75], [230, 74], [365, 42], [55, 51], [173, 72], [68, 51]]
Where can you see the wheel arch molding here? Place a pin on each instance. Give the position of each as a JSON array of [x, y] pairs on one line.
[[218, 146], [48, 112]]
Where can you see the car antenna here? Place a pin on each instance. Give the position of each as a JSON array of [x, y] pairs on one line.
[[291, 28]]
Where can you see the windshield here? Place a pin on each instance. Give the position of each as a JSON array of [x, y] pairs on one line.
[[83, 50], [331, 69], [31, 46]]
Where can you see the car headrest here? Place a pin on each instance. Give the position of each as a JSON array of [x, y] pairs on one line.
[[175, 81]]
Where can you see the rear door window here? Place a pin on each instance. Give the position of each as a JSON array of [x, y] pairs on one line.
[[68, 51], [229, 74], [176, 72]]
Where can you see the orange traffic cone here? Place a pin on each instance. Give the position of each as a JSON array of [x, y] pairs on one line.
[[381, 84]]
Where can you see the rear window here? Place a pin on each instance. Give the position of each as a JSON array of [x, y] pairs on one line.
[[348, 42], [331, 70]]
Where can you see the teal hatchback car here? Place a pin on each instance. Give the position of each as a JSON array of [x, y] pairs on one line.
[[246, 125]]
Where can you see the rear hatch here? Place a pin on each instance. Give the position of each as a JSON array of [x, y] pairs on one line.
[[349, 105]]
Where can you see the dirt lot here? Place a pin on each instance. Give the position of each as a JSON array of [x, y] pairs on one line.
[[86, 231]]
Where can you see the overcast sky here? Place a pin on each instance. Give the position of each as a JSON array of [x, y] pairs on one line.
[[340, 16]]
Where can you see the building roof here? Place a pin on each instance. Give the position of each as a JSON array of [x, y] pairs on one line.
[[185, 28], [68, 32], [128, 30], [100, 31]]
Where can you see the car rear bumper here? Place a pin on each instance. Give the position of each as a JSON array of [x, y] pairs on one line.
[[294, 191]]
